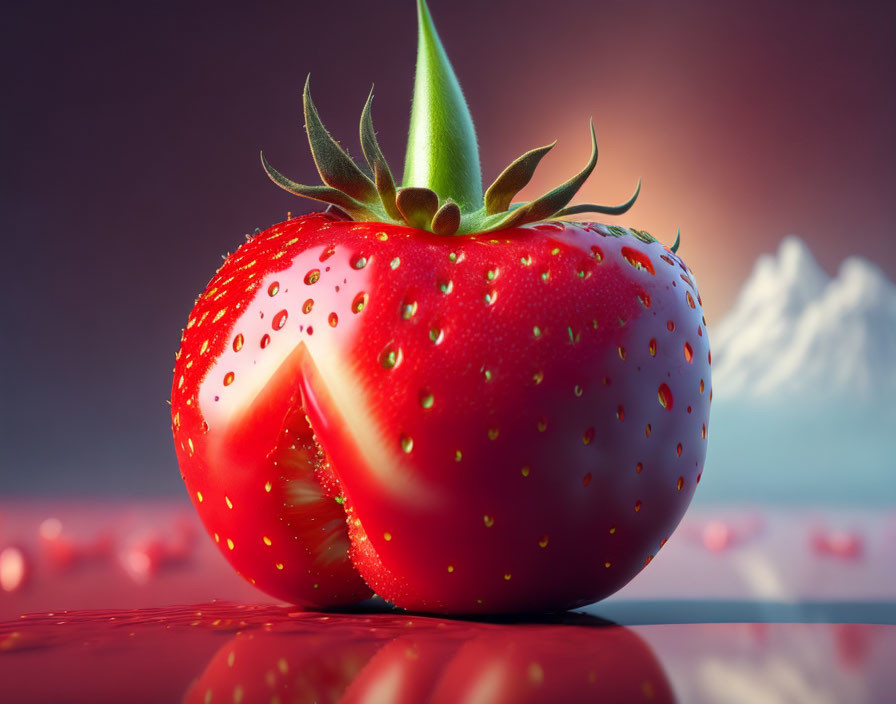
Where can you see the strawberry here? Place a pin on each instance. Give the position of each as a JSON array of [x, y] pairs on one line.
[[463, 404]]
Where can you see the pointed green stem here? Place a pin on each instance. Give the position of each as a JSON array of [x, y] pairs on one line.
[[442, 153]]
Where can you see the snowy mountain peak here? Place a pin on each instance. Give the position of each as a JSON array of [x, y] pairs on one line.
[[861, 278], [792, 276], [795, 261], [794, 331]]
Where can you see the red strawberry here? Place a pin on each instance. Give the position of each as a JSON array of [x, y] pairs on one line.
[[510, 412]]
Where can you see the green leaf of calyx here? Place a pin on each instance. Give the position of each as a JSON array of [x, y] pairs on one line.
[[324, 194], [677, 243], [442, 153], [446, 221], [603, 209], [335, 167], [513, 179], [379, 167], [552, 202], [417, 206]]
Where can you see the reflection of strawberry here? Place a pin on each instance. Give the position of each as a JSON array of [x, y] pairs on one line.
[[555, 664], [359, 659], [411, 665], [509, 410], [277, 667]]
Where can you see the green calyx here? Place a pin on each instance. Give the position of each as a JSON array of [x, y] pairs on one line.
[[442, 187]]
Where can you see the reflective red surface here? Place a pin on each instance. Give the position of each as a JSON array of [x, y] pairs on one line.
[[236, 653], [762, 616]]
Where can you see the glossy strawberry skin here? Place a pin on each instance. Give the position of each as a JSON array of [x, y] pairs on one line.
[[514, 421], [250, 469]]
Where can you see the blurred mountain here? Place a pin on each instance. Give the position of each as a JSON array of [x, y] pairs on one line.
[[804, 385], [794, 330]]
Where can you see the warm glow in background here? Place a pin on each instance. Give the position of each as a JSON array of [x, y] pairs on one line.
[[130, 151]]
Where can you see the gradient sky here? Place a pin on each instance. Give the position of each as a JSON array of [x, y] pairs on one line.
[[131, 136]]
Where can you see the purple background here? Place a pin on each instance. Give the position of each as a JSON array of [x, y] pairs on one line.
[[130, 152]]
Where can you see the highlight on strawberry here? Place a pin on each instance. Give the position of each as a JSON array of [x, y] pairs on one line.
[[459, 402]]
